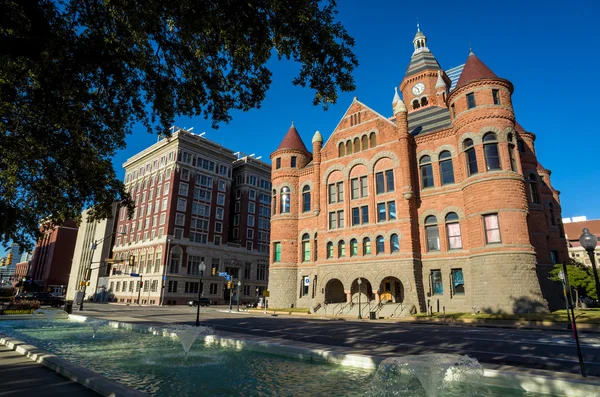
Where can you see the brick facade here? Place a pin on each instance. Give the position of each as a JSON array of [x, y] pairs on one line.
[[442, 206]]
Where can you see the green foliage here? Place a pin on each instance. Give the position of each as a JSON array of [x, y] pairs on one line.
[[580, 277], [75, 76]]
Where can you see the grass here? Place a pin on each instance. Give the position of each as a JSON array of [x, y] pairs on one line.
[[582, 315]]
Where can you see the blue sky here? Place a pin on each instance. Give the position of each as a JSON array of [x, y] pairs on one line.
[[549, 50]]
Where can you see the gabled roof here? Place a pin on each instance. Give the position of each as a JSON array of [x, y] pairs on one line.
[[292, 140], [474, 70]]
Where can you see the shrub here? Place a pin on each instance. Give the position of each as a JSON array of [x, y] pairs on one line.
[[23, 305]]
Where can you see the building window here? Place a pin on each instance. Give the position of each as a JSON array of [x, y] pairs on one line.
[[432, 233], [426, 172], [340, 192], [389, 180], [332, 194], [217, 240], [175, 261], [521, 145], [391, 210], [372, 140], [470, 156], [437, 287], [355, 216], [354, 189], [424, 101], [384, 181], [356, 145], [332, 220], [329, 250], [446, 168], [471, 101], [183, 189], [285, 200], [306, 199], [551, 209], [452, 111], [453, 230], [172, 286], [415, 104], [458, 282], [278, 163], [490, 151], [366, 246], [353, 247], [381, 215], [274, 202], [394, 243], [341, 249], [293, 162], [180, 219], [341, 150], [178, 233], [511, 154], [277, 252], [533, 189], [181, 204], [496, 96], [365, 214], [340, 219], [364, 142], [492, 228], [554, 256], [305, 248], [379, 245]]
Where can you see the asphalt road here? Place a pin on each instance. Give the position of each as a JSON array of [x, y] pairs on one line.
[[548, 350]]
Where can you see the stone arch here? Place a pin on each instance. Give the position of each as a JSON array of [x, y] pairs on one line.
[[394, 272], [334, 291], [449, 148], [426, 213], [451, 208], [509, 130], [389, 233], [366, 288], [430, 153], [331, 170], [355, 163], [500, 134], [282, 185], [310, 184], [380, 155], [477, 139], [391, 289]]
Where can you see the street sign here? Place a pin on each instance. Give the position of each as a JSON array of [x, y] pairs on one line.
[[266, 294], [228, 277], [223, 274], [134, 274], [306, 280], [164, 278]]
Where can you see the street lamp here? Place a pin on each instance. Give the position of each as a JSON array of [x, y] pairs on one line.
[[238, 294], [588, 241], [359, 281], [201, 268]]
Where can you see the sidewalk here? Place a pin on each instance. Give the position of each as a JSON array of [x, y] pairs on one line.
[[23, 377]]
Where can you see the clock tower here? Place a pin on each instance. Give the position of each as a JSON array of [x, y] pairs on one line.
[[425, 83]]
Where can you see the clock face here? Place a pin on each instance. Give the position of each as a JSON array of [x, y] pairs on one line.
[[418, 89]]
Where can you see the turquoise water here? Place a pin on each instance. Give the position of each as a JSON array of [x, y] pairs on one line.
[[157, 365]]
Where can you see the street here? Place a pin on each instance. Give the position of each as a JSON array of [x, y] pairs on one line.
[[548, 350]]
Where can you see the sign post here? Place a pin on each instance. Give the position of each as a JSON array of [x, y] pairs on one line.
[[265, 295]]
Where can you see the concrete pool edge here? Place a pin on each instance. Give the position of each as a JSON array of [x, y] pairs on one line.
[[555, 383], [85, 377]]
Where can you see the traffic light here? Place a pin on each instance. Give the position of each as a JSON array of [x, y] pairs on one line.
[[9, 259], [213, 271], [229, 285], [2, 262], [141, 284], [131, 260]]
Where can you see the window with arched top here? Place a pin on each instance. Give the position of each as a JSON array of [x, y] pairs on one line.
[[348, 147], [424, 101], [426, 172], [274, 202], [490, 152], [379, 245], [341, 249], [446, 167], [372, 140], [353, 247], [329, 250], [511, 152], [470, 156], [394, 243], [305, 247], [366, 246], [356, 145], [453, 231], [341, 150], [364, 142], [306, 199], [432, 233], [415, 104], [285, 200], [534, 196]]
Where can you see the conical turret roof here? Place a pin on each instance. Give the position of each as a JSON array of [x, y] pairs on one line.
[[474, 70], [519, 127], [292, 140]]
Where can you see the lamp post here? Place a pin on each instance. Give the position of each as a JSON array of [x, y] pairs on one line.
[[88, 269], [573, 324], [201, 268], [239, 284], [588, 241], [359, 281]]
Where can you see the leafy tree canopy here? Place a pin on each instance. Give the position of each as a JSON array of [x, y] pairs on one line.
[[75, 75], [580, 277]]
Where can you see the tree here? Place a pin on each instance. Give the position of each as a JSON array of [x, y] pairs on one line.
[[75, 75], [580, 278]]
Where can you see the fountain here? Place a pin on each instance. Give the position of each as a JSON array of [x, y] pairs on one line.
[[188, 334], [429, 375], [95, 324], [50, 314]]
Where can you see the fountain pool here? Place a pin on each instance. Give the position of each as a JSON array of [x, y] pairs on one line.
[[158, 365]]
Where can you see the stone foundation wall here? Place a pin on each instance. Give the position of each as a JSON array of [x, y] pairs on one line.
[[283, 287]]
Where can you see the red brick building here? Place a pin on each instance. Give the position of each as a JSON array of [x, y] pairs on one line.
[[442, 205], [51, 262], [573, 231]]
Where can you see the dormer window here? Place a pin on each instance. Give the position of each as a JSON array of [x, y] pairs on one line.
[[496, 96], [471, 101]]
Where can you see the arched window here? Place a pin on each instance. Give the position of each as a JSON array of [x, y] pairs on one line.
[[424, 101], [511, 153], [446, 168], [394, 243], [285, 200], [341, 150], [415, 104], [372, 140], [533, 190], [453, 231], [379, 245], [490, 151], [356, 145], [551, 209], [353, 247], [432, 233], [274, 202], [349, 147], [341, 249], [426, 172], [366, 246], [306, 199], [364, 142], [305, 247], [470, 156], [329, 250]]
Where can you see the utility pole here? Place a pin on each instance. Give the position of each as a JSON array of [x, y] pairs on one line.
[[140, 284]]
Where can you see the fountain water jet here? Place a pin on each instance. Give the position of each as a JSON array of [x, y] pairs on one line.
[[188, 334], [50, 314], [95, 324]]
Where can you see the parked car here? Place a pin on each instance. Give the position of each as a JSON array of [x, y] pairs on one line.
[[252, 305], [45, 298], [203, 302]]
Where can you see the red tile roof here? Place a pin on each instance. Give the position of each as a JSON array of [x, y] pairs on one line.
[[292, 140], [519, 127], [573, 230], [474, 70]]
